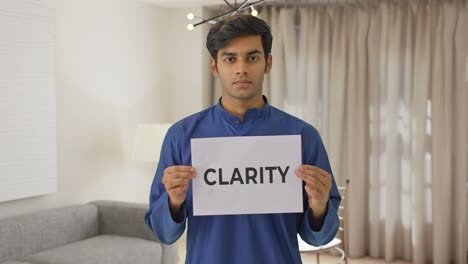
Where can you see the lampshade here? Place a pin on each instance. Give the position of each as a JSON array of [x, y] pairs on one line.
[[148, 141]]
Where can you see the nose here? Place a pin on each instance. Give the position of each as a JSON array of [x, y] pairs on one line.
[[241, 68]]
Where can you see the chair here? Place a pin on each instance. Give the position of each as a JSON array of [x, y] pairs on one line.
[[338, 244]]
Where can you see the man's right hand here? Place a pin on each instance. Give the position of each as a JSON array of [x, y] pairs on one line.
[[176, 179]]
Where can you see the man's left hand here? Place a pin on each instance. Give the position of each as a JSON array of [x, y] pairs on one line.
[[317, 186]]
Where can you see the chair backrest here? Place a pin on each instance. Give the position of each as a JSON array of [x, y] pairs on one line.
[[343, 215]]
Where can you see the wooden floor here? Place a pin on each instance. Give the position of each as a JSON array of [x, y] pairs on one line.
[[307, 258]]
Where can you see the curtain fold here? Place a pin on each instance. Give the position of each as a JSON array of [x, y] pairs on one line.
[[420, 173], [460, 139], [443, 98], [357, 125]]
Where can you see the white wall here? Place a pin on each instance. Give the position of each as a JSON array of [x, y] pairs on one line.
[[189, 65], [119, 63]]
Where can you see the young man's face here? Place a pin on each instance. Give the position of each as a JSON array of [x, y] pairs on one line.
[[241, 67]]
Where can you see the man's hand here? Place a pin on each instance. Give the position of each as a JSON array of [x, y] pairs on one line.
[[176, 179], [317, 185]]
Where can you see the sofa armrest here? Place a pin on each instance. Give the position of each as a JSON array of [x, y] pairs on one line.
[[128, 219], [124, 219]]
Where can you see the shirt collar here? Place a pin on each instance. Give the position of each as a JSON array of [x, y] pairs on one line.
[[249, 114]]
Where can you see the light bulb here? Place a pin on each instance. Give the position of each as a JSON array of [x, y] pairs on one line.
[[190, 26], [190, 16], [253, 12]]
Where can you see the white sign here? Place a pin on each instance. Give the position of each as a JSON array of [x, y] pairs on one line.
[[246, 175]]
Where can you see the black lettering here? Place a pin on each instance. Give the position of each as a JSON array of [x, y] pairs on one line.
[[271, 169], [261, 175], [221, 182], [283, 174], [206, 176], [238, 177], [249, 176]]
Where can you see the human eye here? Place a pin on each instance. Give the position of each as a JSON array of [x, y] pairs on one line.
[[230, 59], [253, 58]]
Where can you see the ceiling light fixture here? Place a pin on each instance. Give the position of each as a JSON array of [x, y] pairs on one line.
[[235, 10], [254, 12]]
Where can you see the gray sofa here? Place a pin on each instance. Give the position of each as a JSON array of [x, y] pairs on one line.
[[97, 232]]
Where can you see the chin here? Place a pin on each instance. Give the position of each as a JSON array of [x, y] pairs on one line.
[[245, 96]]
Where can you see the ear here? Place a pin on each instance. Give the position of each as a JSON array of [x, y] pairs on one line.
[[269, 63], [213, 67]]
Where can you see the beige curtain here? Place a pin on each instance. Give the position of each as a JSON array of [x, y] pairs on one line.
[[383, 81]]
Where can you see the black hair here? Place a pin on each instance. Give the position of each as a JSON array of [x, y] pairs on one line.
[[238, 25]]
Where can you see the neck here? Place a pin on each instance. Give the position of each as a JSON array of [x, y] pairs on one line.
[[239, 107]]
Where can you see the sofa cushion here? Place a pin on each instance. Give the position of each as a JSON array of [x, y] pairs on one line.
[[101, 250], [30, 233]]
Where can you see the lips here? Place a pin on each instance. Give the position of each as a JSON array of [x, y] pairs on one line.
[[242, 81]]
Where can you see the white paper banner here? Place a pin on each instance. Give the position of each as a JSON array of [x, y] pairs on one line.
[[246, 175]]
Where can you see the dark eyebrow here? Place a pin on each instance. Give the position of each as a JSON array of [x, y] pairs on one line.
[[256, 51], [227, 53]]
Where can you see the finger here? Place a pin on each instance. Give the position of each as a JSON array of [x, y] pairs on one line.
[[317, 173], [180, 174], [310, 177], [182, 185], [314, 183], [175, 182], [179, 168], [313, 192], [322, 173], [179, 190]]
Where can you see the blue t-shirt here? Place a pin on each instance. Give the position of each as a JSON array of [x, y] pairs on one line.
[[253, 238]]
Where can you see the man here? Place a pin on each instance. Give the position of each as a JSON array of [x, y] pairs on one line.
[[240, 47]]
